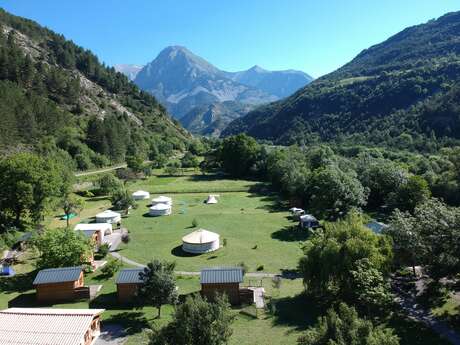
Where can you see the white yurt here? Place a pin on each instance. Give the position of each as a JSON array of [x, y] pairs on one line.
[[160, 210], [162, 200], [108, 216], [141, 195], [211, 199], [200, 241]]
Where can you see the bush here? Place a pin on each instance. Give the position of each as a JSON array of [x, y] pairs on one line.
[[125, 238], [194, 223], [244, 267], [260, 268], [104, 250], [111, 268], [108, 184]]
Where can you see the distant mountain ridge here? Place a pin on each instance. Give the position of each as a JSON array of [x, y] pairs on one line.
[[278, 83], [387, 92], [129, 70], [181, 81]]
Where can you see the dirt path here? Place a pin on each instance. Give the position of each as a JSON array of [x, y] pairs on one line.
[[99, 171], [409, 305]]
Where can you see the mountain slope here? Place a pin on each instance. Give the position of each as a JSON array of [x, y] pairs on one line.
[[278, 83], [182, 80], [211, 119], [128, 70], [56, 96], [380, 95]]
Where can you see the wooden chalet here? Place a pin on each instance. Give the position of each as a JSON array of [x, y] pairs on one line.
[[222, 280], [60, 284], [128, 282]]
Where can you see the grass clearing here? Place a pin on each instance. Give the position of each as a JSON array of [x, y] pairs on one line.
[[257, 231]]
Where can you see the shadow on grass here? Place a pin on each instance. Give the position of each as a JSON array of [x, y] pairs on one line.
[[178, 251], [29, 300], [298, 312], [97, 198], [290, 234], [17, 283], [413, 332], [133, 322]]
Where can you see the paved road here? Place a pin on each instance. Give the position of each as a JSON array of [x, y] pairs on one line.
[[111, 334]]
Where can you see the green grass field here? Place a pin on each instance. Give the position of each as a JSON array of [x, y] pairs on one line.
[[257, 230]]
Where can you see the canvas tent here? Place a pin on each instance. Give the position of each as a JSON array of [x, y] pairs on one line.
[[211, 199], [141, 195], [297, 211], [108, 216], [162, 200], [309, 222], [160, 210], [200, 241]]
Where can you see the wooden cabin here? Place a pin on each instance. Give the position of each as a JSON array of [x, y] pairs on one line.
[[50, 326], [59, 284], [222, 280], [128, 282]]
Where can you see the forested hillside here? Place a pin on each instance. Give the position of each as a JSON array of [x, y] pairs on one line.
[[400, 93], [56, 96]]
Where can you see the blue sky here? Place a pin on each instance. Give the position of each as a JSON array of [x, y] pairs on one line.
[[314, 36]]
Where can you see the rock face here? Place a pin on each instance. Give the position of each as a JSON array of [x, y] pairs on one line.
[[129, 70], [181, 81], [211, 119]]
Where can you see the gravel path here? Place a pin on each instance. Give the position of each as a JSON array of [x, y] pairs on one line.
[[440, 327]]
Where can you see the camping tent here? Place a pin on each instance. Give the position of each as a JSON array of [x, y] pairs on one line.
[[211, 199], [297, 211], [200, 241], [141, 195], [160, 210], [309, 221], [108, 216], [162, 200]]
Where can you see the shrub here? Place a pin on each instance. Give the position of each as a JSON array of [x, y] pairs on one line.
[[125, 238], [111, 268], [104, 250], [244, 267], [260, 268], [194, 223]]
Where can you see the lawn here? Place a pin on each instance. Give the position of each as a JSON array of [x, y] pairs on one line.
[[191, 182], [255, 228]]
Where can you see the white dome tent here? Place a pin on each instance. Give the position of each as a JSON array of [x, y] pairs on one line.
[[160, 210], [108, 216], [200, 241], [211, 199], [141, 195], [162, 200]]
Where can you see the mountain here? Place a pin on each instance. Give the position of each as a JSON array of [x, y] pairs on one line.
[[211, 119], [403, 89], [182, 81], [278, 83], [128, 70], [56, 97]]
